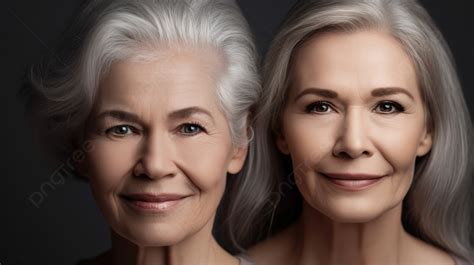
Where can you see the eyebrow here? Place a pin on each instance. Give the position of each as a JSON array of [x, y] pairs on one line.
[[119, 115], [133, 118], [187, 112], [385, 91], [378, 92], [317, 91]]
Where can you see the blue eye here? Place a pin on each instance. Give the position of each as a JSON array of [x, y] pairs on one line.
[[319, 107], [191, 129], [120, 130], [389, 107]]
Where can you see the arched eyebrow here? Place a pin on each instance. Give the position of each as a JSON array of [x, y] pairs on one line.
[[133, 118], [317, 91], [188, 112], [386, 91]]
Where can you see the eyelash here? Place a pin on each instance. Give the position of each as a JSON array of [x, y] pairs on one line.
[[197, 124], [180, 129], [398, 108], [111, 130], [310, 107]]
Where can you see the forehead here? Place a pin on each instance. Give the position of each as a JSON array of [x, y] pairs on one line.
[[170, 78], [342, 60]]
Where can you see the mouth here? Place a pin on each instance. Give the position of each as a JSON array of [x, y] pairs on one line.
[[351, 181], [151, 203]]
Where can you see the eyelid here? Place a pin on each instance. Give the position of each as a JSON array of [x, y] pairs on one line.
[[195, 123], [399, 108], [109, 131], [330, 104]]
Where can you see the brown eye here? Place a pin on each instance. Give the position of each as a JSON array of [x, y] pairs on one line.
[[319, 107], [388, 107]]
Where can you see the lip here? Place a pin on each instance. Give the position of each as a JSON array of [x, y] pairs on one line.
[[353, 181], [152, 203]]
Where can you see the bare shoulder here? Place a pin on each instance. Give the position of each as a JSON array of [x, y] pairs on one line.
[[425, 253], [274, 250]]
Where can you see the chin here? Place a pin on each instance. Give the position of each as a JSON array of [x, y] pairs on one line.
[[146, 237], [352, 211]]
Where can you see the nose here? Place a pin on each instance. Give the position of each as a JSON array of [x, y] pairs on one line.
[[353, 140], [156, 158]]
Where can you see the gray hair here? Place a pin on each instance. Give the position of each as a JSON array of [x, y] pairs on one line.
[[436, 208], [61, 90]]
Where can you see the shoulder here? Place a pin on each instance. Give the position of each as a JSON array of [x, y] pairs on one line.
[[274, 250], [422, 252]]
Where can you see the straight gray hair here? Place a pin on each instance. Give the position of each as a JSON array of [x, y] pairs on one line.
[[60, 91], [436, 208]]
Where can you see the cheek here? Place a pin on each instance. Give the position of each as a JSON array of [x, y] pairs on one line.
[[308, 141], [204, 160], [109, 164], [398, 142]]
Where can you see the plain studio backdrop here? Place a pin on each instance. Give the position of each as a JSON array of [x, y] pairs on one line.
[[63, 225]]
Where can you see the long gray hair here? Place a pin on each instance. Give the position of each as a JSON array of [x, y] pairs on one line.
[[60, 91], [436, 208]]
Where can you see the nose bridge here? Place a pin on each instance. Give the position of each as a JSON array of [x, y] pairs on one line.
[[354, 135], [156, 156]]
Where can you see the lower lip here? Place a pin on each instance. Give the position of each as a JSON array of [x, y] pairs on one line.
[[152, 207], [354, 185]]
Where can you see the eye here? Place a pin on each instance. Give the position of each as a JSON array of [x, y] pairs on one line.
[[191, 129], [120, 130], [388, 107], [319, 107]]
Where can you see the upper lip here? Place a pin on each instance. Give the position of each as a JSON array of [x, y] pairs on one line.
[[351, 176], [148, 197]]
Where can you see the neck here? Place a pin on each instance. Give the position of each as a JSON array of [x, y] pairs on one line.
[[200, 248], [379, 241]]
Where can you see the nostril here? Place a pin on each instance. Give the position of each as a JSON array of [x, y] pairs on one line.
[[344, 155], [141, 176]]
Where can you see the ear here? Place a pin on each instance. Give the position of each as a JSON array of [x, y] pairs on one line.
[[240, 154], [425, 145], [281, 143], [237, 160]]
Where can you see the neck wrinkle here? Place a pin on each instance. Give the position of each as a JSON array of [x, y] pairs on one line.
[[325, 241], [200, 248]]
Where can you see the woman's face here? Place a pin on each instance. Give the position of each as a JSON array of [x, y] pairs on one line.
[[353, 124], [161, 146]]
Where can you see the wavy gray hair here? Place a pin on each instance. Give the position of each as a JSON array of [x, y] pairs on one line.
[[436, 208], [60, 91]]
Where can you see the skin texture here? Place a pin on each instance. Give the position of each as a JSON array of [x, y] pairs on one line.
[[354, 107], [168, 148]]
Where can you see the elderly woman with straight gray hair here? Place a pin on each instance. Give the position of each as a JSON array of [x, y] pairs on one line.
[[364, 135], [355, 149]]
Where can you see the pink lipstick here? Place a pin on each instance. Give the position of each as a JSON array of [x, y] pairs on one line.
[[152, 203], [352, 182]]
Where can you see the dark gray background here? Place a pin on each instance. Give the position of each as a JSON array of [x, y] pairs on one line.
[[66, 225]]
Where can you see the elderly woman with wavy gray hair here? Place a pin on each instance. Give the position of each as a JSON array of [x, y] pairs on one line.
[[363, 111], [162, 92]]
